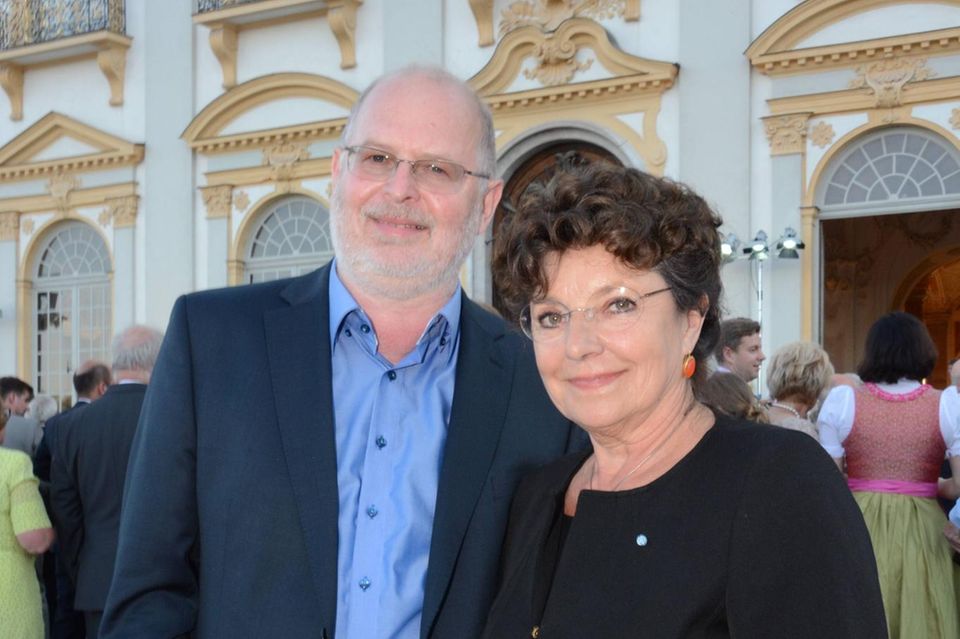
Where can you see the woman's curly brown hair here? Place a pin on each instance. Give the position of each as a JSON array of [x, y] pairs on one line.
[[648, 223]]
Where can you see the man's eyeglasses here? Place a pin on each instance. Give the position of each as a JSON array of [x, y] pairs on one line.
[[437, 176], [612, 310]]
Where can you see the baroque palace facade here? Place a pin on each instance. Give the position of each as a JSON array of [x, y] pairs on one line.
[[149, 149]]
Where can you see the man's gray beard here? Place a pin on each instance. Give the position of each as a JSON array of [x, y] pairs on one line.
[[400, 282]]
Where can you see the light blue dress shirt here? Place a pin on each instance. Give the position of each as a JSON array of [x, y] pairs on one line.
[[391, 426]]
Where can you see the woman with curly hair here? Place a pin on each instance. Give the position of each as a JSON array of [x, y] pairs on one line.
[[674, 524]]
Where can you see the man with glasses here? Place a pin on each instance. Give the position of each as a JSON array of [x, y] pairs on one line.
[[335, 455]]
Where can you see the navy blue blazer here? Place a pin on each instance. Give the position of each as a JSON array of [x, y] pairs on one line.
[[229, 525]]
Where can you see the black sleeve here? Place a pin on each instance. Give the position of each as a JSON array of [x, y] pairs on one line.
[[801, 561], [65, 506]]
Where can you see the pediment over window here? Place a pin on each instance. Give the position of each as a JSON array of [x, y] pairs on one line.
[[813, 36], [556, 58], [305, 107], [59, 144]]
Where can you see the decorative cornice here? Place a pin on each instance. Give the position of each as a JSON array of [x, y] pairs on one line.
[[217, 200], [886, 78], [548, 15], [787, 134], [328, 129], [317, 167], [623, 87], [9, 226], [506, 61], [205, 129], [852, 100], [79, 198], [816, 59], [123, 211], [16, 157]]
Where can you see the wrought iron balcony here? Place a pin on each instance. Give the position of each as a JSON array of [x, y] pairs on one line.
[[30, 22], [204, 6]]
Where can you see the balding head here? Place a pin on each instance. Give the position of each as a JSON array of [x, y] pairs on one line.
[[91, 379], [135, 352], [483, 119]]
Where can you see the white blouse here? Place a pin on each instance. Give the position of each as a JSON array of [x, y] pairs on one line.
[[836, 417]]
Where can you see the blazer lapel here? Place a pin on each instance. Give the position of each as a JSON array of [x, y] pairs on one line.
[[298, 347], [480, 400]]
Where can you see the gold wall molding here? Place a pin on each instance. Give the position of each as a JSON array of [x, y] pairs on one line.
[[241, 201], [775, 50], [225, 25], [822, 134], [283, 158], [505, 63], [11, 81], [17, 156], [483, 15], [787, 134], [955, 118], [547, 15], [59, 186], [223, 42], [9, 226], [886, 78], [204, 132], [110, 50], [217, 200], [80, 198], [313, 168], [851, 100], [123, 211]]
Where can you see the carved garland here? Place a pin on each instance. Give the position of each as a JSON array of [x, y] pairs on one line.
[[886, 78], [9, 226]]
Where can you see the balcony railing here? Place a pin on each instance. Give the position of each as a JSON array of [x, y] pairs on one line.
[[205, 6], [29, 22]]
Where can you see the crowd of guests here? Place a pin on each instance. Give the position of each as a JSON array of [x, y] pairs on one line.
[[364, 452]]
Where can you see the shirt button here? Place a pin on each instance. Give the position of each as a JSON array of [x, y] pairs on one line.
[[364, 328], [443, 341], [364, 584], [392, 375], [347, 332], [372, 511], [381, 442]]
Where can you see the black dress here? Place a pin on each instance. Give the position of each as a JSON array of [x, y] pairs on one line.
[[752, 534]]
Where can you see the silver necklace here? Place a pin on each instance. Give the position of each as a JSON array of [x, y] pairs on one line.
[[789, 409]]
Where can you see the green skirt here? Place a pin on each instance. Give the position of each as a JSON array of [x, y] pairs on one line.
[[918, 578]]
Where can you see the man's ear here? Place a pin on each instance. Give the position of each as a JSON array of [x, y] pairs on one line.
[[728, 354]]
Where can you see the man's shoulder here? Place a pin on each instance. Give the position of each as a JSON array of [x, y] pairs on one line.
[[260, 295]]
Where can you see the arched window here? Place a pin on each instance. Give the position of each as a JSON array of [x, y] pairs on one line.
[[72, 307], [894, 166], [291, 238]]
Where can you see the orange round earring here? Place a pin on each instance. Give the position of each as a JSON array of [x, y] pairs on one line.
[[689, 365]]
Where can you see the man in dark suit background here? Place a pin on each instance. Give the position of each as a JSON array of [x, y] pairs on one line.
[[90, 381], [89, 463], [335, 455]]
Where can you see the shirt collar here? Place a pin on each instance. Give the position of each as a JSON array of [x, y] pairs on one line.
[[342, 304]]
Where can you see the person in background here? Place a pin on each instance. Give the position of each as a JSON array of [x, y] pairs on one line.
[[738, 350], [891, 434], [25, 532], [89, 468], [798, 375], [681, 522], [23, 433], [730, 395]]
